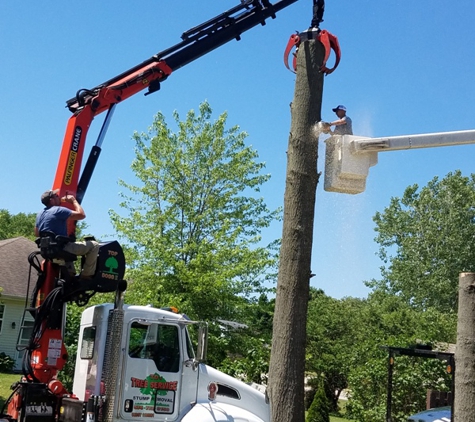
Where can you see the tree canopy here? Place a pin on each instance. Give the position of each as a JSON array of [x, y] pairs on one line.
[[331, 334], [16, 225], [425, 241], [345, 340], [193, 223], [386, 320]]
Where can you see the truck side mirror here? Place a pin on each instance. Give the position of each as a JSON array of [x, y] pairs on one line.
[[202, 343], [346, 168]]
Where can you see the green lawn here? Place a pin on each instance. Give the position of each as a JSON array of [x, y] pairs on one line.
[[6, 380], [335, 419]]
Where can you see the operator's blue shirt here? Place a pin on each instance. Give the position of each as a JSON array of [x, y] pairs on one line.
[[53, 219]]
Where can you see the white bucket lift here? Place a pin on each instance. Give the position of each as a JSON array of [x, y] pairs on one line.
[[348, 158]]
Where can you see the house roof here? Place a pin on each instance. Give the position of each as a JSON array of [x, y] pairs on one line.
[[14, 266]]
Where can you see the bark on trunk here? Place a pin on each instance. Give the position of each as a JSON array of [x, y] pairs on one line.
[[464, 403], [287, 363]]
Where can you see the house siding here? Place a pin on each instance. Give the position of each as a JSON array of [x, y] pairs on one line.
[[15, 277], [9, 336]]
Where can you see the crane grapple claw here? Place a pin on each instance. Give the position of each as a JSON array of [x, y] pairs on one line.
[[294, 41], [329, 41]]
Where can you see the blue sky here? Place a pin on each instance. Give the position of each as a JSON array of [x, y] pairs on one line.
[[406, 68]]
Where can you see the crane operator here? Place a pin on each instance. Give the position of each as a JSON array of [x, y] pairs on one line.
[[52, 219]]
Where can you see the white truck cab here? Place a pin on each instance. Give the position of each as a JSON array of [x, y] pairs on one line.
[[137, 364]]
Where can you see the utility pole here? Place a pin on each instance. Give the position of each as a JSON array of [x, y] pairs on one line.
[[287, 363]]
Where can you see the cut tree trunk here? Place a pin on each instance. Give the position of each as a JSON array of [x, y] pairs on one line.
[[287, 363], [464, 403]]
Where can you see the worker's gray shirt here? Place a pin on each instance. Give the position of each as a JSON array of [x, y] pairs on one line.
[[344, 129]]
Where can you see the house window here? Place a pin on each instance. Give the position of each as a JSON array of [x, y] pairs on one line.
[[2, 312]]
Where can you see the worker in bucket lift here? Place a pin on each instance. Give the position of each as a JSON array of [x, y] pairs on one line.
[[343, 125], [52, 220]]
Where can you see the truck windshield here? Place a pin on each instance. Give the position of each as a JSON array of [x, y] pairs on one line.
[[157, 342]]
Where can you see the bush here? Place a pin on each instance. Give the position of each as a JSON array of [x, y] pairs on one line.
[[320, 409], [310, 390], [6, 363]]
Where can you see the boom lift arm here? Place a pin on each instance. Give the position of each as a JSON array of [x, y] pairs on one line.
[[348, 158]]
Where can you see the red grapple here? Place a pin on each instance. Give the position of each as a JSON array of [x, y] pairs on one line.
[[329, 41]]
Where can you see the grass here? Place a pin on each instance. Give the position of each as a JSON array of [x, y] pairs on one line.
[[336, 419], [6, 380]]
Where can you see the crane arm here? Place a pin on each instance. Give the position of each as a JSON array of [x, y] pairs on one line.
[[195, 43]]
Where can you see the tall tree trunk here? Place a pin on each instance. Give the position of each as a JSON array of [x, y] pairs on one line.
[[287, 363], [464, 403]]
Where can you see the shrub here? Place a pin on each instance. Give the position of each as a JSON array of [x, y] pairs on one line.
[[310, 390], [6, 363], [320, 409]]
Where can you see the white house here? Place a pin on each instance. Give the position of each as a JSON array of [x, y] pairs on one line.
[[14, 277]]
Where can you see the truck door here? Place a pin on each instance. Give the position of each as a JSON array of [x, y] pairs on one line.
[[152, 378], [189, 385]]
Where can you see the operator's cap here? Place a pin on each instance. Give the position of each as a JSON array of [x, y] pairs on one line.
[[45, 197], [340, 107]]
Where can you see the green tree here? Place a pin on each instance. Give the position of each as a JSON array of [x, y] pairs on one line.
[[319, 410], [387, 320], [425, 241], [16, 225], [331, 333], [248, 350], [194, 223]]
